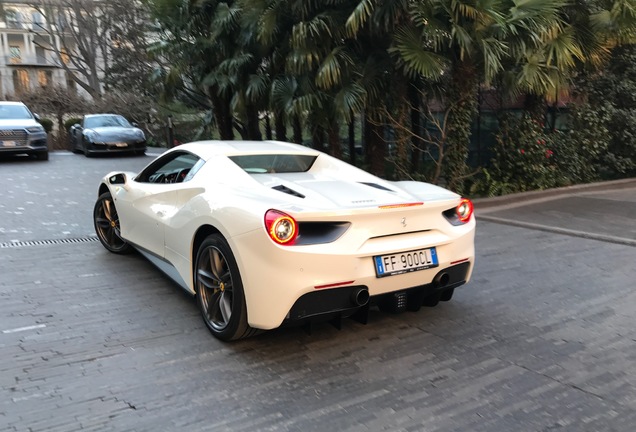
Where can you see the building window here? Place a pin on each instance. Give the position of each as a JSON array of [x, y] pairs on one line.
[[15, 57], [64, 56], [21, 80], [13, 19], [61, 21], [44, 78], [70, 84], [38, 20]]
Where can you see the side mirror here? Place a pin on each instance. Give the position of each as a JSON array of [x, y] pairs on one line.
[[117, 179], [135, 124], [36, 117], [77, 125]]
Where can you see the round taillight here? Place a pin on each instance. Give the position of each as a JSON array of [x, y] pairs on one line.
[[281, 227], [464, 210]]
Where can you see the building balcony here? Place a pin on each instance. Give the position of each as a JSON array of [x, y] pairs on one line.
[[33, 60]]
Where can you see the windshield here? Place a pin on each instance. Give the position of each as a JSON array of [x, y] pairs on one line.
[[14, 112], [106, 121], [274, 163]]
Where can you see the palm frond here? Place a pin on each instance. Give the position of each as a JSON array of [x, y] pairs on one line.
[[360, 16], [417, 60], [330, 71]]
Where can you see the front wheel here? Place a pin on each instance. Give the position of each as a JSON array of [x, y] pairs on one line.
[[219, 290], [107, 226]]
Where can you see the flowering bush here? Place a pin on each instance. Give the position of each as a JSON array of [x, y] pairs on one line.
[[524, 158]]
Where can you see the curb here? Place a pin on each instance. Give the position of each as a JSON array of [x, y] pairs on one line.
[[558, 230], [523, 198]]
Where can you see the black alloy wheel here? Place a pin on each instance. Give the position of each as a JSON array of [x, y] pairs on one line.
[[107, 225], [219, 290]]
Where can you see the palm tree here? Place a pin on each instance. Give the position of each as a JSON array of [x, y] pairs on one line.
[[197, 37]]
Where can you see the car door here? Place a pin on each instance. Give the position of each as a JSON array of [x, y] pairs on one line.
[[150, 200]]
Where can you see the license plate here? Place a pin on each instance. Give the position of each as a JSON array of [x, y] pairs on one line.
[[7, 143], [405, 262], [121, 144]]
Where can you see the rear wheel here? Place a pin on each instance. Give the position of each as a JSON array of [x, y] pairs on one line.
[[220, 294], [107, 226]]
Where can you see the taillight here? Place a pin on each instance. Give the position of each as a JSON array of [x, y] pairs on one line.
[[464, 210], [281, 227]]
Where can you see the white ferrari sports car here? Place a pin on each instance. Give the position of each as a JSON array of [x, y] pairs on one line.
[[270, 233]]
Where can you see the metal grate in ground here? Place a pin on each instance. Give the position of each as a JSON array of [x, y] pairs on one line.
[[31, 243]]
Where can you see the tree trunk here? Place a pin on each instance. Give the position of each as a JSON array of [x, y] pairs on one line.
[[318, 138], [268, 127], [352, 141], [415, 101], [463, 97], [280, 126], [62, 141], [335, 145], [298, 129], [253, 123], [376, 146], [222, 114]]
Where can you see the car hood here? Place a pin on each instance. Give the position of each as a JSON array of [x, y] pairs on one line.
[[107, 133], [19, 123], [328, 193]]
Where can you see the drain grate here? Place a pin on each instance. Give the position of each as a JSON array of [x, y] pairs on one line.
[[30, 243]]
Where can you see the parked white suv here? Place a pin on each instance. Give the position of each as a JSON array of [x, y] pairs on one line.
[[20, 131]]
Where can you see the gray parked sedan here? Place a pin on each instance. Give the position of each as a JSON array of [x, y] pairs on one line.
[[20, 132], [106, 133]]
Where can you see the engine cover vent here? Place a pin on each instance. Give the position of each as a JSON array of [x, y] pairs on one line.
[[287, 190]]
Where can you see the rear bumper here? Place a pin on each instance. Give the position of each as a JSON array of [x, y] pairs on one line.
[[344, 302], [275, 278]]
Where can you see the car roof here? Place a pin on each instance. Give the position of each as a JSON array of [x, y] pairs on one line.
[[102, 115], [11, 103], [207, 149]]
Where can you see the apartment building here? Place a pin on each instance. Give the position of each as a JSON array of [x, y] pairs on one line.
[[26, 60]]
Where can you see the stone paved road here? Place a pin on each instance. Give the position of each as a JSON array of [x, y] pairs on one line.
[[542, 338]]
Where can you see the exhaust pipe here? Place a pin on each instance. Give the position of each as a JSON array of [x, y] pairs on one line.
[[360, 296], [441, 280]]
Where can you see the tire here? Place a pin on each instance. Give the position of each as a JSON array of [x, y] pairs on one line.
[[74, 148], [219, 290], [42, 155], [106, 221]]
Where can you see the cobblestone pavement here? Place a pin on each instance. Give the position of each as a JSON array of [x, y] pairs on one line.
[[542, 338]]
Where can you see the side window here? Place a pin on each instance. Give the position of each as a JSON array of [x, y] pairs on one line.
[[175, 167]]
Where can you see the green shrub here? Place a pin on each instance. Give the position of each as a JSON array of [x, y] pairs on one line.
[[46, 123], [71, 121]]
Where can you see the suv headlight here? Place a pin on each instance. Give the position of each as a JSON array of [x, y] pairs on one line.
[[34, 129]]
